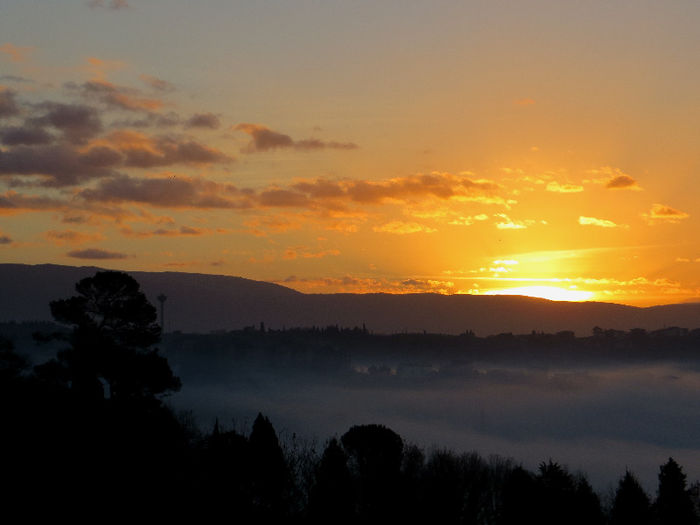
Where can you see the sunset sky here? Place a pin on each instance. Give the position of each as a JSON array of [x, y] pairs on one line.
[[539, 147]]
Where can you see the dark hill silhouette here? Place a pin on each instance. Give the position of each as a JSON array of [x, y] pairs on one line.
[[201, 303]]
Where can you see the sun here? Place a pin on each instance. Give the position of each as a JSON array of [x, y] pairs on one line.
[[553, 293]]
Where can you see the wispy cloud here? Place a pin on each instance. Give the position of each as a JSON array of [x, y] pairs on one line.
[[169, 191], [15, 53], [555, 186], [352, 284], [157, 83], [265, 139], [182, 231], [71, 237], [305, 253], [95, 253], [506, 223], [114, 96], [403, 228], [603, 223], [111, 4], [468, 221]]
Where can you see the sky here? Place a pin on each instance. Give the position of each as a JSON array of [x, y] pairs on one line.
[[539, 147]]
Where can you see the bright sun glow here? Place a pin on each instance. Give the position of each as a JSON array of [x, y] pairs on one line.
[[552, 293]]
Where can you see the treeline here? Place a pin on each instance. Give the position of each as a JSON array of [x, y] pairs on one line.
[[335, 349], [334, 346]]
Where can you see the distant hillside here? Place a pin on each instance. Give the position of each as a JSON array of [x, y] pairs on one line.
[[201, 303]]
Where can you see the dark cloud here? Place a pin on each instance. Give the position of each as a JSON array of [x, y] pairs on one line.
[[166, 151], [60, 165], [265, 139], [621, 182], [28, 135], [176, 192], [158, 120], [8, 104], [311, 144], [13, 202], [95, 253], [322, 193], [440, 185], [78, 123], [4, 239], [283, 198], [115, 97], [165, 232], [15, 78], [320, 188], [203, 120]]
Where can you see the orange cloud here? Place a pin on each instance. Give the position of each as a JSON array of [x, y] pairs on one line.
[[12, 202], [60, 238], [615, 179], [260, 226], [554, 186], [662, 213], [403, 228], [507, 223], [116, 97], [15, 53], [525, 102], [402, 189], [304, 253], [350, 284], [143, 151], [622, 182], [468, 221], [98, 68], [603, 223], [164, 232]]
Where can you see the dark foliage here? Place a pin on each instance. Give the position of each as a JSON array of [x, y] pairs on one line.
[[673, 504], [631, 505], [113, 329]]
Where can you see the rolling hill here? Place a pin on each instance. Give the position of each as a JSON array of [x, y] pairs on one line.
[[202, 303]]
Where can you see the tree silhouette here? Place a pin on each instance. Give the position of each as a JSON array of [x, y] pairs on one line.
[[376, 453], [631, 505], [331, 499], [114, 328], [673, 503], [270, 477]]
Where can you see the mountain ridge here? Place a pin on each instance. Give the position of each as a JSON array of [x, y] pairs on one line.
[[205, 302]]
